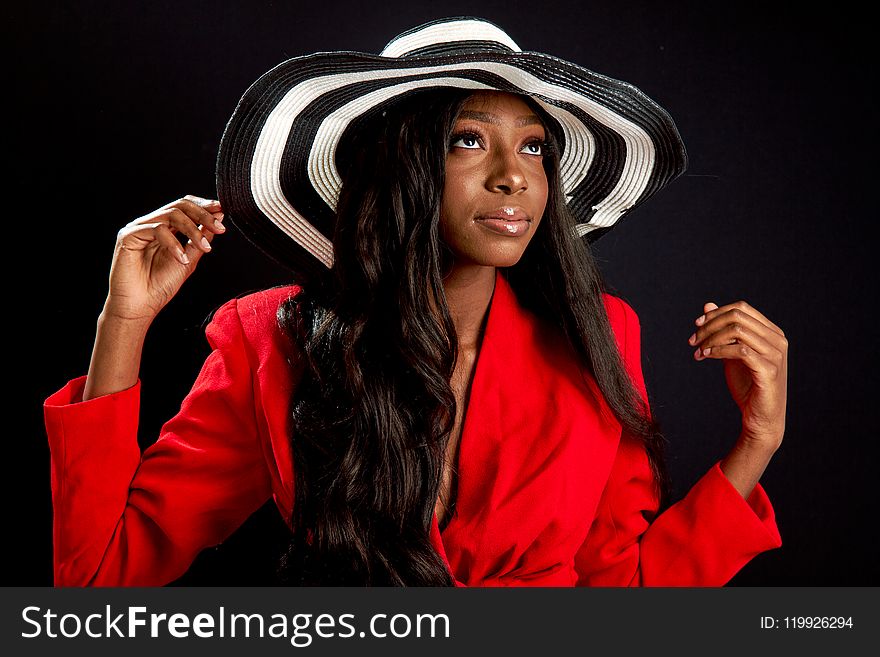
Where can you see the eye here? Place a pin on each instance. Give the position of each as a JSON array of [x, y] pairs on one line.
[[535, 147], [469, 140]]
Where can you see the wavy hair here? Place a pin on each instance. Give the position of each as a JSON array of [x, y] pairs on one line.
[[375, 344]]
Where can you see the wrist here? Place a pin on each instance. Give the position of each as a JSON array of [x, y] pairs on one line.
[[763, 444], [745, 464], [119, 324], [116, 356]]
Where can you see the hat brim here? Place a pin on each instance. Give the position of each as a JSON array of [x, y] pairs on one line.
[[277, 177]]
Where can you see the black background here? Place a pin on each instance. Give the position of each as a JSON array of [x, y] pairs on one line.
[[117, 108]]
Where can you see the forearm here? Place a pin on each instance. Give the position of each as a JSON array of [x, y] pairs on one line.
[[116, 356], [745, 463]]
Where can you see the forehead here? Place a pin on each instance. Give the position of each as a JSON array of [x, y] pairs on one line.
[[499, 108], [498, 101]]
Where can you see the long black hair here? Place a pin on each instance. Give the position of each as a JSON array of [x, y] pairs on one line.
[[376, 347]]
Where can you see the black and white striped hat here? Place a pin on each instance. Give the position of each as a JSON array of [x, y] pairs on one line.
[[277, 178]]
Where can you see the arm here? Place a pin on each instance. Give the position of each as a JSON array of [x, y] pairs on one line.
[[702, 540], [122, 518], [116, 357]]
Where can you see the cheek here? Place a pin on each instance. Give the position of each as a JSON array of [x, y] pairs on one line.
[[542, 185], [455, 197], [454, 176], [542, 191], [448, 212]]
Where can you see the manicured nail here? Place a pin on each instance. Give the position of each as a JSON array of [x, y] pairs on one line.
[[183, 257], [206, 244], [219, 226], [706, 351], [697, 354], [693, 338], [700, 320]]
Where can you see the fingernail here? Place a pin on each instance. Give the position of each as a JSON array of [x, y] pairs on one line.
[[706, 351], [183, 257], [693, 338], [206, 243], [219, 226], [697, 354], [700, 320]]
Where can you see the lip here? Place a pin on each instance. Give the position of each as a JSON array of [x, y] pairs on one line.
[[508, 221], [506, 213]]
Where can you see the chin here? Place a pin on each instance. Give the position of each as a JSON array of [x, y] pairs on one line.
[[488, 253], [508, 262], [499, 259]]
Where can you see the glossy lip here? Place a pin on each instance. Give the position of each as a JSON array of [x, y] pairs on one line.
[[506, 220], [506, 213]]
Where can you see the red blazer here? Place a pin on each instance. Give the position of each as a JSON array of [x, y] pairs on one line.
[[550, 493]]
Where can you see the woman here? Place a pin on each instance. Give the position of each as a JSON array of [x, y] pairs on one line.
[[446, 396]]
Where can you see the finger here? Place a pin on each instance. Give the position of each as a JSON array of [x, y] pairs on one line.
[[739, 312], [218, 222], [743, 353], [195, 252], [208, 203], [156, 232], [179, 221], [136, 236], [737, 333], [711, 309], [212, 206], [200, 211], [198, 214], [739, 305], [734, 324]]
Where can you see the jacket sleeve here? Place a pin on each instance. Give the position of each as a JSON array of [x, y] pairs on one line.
[[702, 540], [122, 518]]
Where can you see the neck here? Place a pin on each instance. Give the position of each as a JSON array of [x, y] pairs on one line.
[[469, 290]]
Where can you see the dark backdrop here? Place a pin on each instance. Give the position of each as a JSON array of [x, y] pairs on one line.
[[117, 108]]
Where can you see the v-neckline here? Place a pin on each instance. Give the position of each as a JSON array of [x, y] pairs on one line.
[[476, 384], [451, 504]]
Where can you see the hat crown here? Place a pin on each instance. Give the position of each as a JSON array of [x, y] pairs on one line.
[[277, 172], [457, 35]]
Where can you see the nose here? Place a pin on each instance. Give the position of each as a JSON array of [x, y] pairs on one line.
[[506, 174]]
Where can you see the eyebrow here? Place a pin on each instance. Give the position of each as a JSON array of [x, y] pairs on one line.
[[487, 117]]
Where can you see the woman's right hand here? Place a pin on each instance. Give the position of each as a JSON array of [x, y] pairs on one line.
[[149, 262]]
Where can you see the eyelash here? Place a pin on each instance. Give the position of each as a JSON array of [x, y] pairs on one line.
[[545, 146]]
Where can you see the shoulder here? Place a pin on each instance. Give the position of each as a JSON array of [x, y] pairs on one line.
[[257, 309], [623, 319], [252, 316], [618, 310]]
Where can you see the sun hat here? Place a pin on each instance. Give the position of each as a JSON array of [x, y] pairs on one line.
[[277, 175]]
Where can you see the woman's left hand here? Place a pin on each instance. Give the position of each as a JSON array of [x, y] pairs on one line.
[[755, 355]]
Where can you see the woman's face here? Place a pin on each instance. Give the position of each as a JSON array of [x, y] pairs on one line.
[[496, 187]]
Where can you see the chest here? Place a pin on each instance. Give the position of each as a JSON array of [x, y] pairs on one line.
[[524, 473], [526, 462], [461, 387]]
